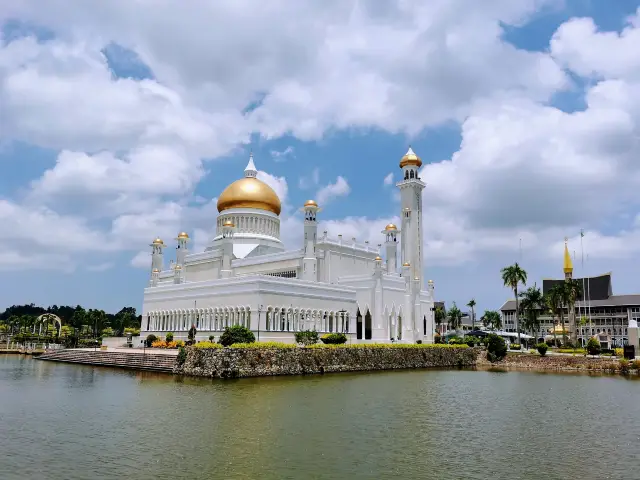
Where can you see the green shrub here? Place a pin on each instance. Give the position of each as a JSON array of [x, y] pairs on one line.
[[593, 346], [471, 340], [131, 330], [389, 345], [179, 343], [307, 337], [150, 339], [618, 352], [496, 348], [169, 337], [419, 342], [455, 341], [635, 365], [207, 345], [211, 338], [236, 334], [281, 345], [108, 332], [542, 348], [182, 355], [334, 338], [515, 346], [625, 365], [437, 338]]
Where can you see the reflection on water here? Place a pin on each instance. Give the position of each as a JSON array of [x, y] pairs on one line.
[[63, 421]]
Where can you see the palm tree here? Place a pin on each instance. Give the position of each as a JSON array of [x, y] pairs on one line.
[[512, 276], [532, 304], [472, 306], [455, 317], [554, 302], [572, 291], [492, 319], [440, 316]]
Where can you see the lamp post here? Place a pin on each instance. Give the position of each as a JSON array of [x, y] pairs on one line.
[[259, 311]]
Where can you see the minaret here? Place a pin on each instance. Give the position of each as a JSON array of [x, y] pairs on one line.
[[391, 246], [177, 273], [155, 273], [157, 257], [227, 246], [568, 264], [411, 200], [309, 261], [182, 248], [251, 170]]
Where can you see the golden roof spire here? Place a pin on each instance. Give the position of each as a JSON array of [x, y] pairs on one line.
[[568, 264]]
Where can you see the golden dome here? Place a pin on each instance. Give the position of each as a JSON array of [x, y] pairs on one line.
[[178, 267], [249, 192], [155, 270], [228, 223], [391, 226], [406, 264], [158, 241], [430, 281], [410, 158], [378, 258], [183, 235], [310, 203]]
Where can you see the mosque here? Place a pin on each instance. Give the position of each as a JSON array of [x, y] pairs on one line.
[[246, 277]]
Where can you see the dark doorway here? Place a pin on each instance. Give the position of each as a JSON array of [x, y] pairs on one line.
[[367, 326], [359, 325]]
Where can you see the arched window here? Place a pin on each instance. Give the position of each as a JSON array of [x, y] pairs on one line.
[[367, 326], [358, 325]]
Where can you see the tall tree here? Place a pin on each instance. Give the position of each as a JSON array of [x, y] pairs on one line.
[[572, 291], [440, 316], [512, 276], [455, 317], [554, 302], [532, 303], [492, 319], [472, 306]]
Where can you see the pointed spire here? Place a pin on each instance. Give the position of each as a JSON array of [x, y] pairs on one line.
[[568, 264], [251, 170]]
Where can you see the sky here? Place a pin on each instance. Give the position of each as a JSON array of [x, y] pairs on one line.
[[122, 120]]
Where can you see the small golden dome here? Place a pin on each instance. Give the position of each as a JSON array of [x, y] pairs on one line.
[[158, 241], [228, 223], [249, 192], [155, 270], [178, 267], [310, 203], [430, 281], [391, 226], [410, 158], [183, 235], [406, 264], [378, 258]]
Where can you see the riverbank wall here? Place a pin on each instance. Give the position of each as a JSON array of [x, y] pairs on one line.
[[257, 362], [561, 363]]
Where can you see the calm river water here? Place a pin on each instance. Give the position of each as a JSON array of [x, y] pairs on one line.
[[60, 421]]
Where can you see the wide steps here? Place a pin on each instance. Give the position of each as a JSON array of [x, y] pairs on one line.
[[138, 361]]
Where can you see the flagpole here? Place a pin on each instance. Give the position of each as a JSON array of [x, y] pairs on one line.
[[584, 292], [589, 292]]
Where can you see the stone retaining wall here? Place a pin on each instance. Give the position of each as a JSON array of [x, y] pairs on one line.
[[256, 362], [555, 362]]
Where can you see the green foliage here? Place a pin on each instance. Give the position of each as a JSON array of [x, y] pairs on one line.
[[207, 345], [211, 338], [192, 333], [455, 317], [179, 343], [236, 334], [515, 346], [267, 345], [149, 340], [169, 337], [333, 338], [625, 365], [635, 365], [108, 332], [437, 338], [132, 330], [575, 351], [455, 340], [492, 319], [471, 340], [593, 346], [182, 355], [496, 348], [307, 337], [388, 345], [542, 348], [618, 352]]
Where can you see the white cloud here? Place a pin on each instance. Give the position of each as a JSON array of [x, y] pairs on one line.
[[141, 260], [281, 156], [332, 191], [306, 182], [279, 185], [100, 267], [388, 180]]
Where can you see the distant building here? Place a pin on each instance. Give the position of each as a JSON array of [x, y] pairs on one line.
[[606, 315]]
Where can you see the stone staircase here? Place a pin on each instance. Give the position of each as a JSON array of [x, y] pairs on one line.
[[134, 360]]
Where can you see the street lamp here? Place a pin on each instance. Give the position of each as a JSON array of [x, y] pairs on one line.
[[259, 311]]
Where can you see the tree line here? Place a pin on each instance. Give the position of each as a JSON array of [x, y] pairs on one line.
[[76, 321]]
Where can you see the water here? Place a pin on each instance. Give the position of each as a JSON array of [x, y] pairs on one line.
[[60, 421]]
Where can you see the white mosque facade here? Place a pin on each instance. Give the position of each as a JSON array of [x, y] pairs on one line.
[[246, 277]]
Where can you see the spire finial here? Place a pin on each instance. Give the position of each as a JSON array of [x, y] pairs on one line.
[[568, 264], [251, 170]]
